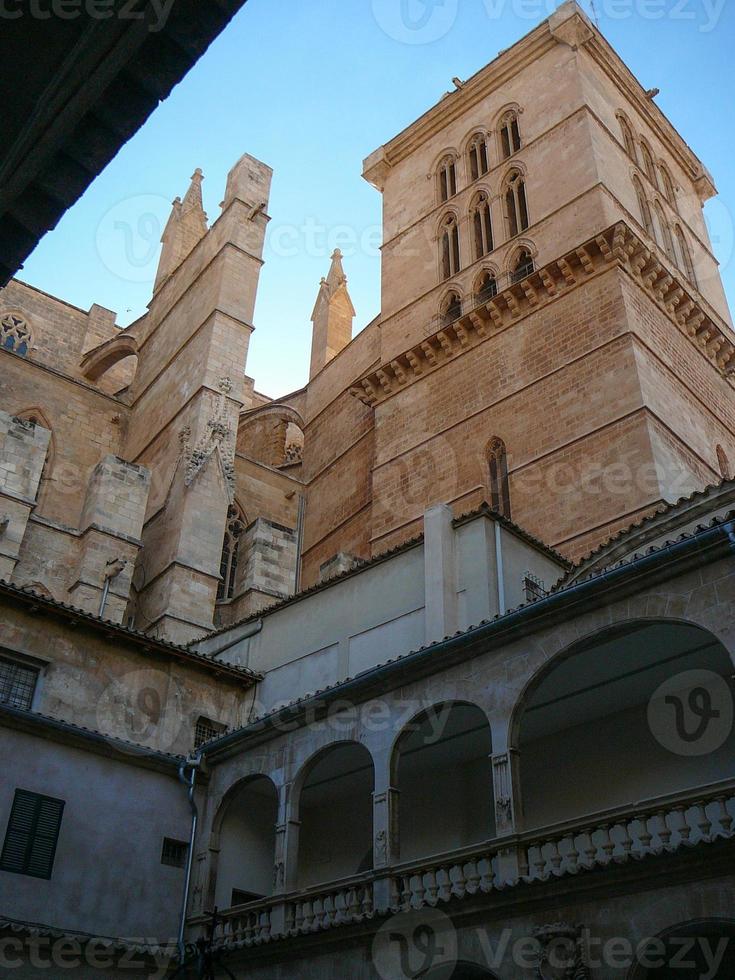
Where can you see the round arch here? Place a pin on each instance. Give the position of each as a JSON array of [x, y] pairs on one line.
[[711, 945], [597, 709], [452, 738], [333, 794], [244, 840]]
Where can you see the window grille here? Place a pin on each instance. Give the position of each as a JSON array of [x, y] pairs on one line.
[[17, 684]]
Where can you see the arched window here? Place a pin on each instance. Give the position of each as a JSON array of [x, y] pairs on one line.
[[478, 157], [487, 287], [510, 135], [516, 205], [482, 226], [449, 247], [230, 553], [643, 206], [648, 163], [497, 459], [668, 185], [724, 464], [523, 266], [627, 137], [663, 232], [447, 178], [451, 308], [15, 334], [683, 255]]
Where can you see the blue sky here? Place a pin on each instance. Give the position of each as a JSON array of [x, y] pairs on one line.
[[311, 87]]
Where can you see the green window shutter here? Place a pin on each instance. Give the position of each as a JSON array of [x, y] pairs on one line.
[[32, 834]]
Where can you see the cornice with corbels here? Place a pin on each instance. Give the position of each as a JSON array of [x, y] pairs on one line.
[[618, 245]]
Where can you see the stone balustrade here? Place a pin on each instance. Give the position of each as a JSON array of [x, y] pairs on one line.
[[652, 827]]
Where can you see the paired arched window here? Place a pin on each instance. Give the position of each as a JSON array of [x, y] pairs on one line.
[[451, 308], [15, 334], [668, 185], [510, 135], [643, 206], [663, 232], [449, 247], [477, 157], [648, 163], [516, 205], [487, 288], [230, 553], [523, 265], [497, 461], [447, 178], [482, 225], [627, 137], [683, 256]]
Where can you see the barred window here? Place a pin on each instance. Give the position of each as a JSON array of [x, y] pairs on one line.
[[205, 730], [32, 834], [174, 852], [17, 683]]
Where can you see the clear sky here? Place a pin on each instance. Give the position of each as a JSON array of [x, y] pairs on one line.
[[312, 87]]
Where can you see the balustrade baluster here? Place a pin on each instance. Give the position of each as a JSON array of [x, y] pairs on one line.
[[367, 899], [485, 867], [590, 850], [724, 819], [308, 915], [684, 829], [627, 841], [473, 877], [573, 856], [664, 833], [459, 884], [645, 836], [702, 820], [555, 856], [607, 844], [406, 891], [445, 884], [353, 903], [540, 862], [432, 889], [328, 908], [418, 890]]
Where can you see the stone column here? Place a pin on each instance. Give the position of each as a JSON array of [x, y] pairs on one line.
[[285, 873], [506, 797], [386, 837]]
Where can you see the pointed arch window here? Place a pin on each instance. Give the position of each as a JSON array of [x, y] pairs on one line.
[[487, 288], [15, 334], [523, 266], [643, 206], [449, 247], [230, 553], [478, 157], [497, 459], [510, 135], [451, 309], [447, 178], [516, 204], [663, 232], [683, 255], [668, 185], [482, 226], [627, 138], [648, 163]]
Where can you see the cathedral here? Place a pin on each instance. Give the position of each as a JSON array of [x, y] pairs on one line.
[[427, 668]]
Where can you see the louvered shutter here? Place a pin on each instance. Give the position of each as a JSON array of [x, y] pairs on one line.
[[32, 834]]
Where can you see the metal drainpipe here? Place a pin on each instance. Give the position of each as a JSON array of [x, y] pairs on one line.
[[499, 570], [192, 764], [299, 540]]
